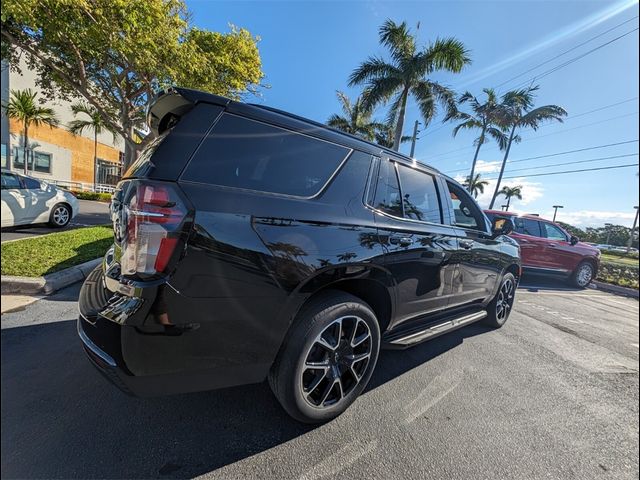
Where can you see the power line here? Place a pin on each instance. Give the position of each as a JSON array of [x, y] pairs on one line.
[[556, 154], [575, 59], [567, 51], [612, 167], [599, 159], [548, 134]]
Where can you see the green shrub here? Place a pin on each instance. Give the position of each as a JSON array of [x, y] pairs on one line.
[[100, 197], [625, 275]]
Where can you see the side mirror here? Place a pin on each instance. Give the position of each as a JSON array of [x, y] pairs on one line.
[[501, 226], [574, 240]]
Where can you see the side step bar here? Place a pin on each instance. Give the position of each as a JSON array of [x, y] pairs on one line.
[[439, 329]]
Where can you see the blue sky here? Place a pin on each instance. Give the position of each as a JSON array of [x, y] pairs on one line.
[[310, 48]]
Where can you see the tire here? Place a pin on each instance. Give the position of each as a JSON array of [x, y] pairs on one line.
[[500, 307], [582, 275], [60, 215], [340, 371]]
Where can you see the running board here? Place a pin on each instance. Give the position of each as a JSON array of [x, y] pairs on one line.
[[439, 329]]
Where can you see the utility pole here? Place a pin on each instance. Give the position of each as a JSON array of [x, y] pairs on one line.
[[413, 139], [555, 211], [633, 229]]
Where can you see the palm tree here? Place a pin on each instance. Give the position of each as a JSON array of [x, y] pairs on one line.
[[384, 133], [475, 185], [510, 192], [95, 123], [517, 113], [485, 117], [406, 74], [356, 119], [22, 106]]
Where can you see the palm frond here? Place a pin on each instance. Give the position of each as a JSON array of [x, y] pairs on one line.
[[371, 69], [447, 54]]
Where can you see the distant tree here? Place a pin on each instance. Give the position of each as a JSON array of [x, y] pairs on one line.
[[94, 122], [117, 54], [510, 192], [406, 74], [22, 106], [475, 185], [518, 112], [356, 119], [485, 117], [384, 135]]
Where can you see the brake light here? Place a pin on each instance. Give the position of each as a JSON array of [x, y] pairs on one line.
[[154, 215]]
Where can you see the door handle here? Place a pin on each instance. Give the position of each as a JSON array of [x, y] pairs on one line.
[[553, 245], [466, 244], [401, 240]]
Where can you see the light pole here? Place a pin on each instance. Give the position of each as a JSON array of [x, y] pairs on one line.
[[633, 229], [413, 139], [607, 227], [555, 211]]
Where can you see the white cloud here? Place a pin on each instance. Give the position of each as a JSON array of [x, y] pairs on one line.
[[487, 167], [593, 218], [531, 192]]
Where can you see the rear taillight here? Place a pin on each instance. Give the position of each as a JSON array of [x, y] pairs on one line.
[[151, 223]]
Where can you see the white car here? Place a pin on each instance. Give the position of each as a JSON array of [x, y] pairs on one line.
[[27, 200]]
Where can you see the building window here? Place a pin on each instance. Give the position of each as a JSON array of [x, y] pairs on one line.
[[5, 160], [108, 173], [42, 160]]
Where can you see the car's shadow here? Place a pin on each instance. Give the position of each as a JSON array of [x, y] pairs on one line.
[[535, 283], [61, 419]]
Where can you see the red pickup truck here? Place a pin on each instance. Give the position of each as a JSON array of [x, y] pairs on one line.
[[546, 248]]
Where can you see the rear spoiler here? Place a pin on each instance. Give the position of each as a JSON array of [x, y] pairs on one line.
[[168, 106]]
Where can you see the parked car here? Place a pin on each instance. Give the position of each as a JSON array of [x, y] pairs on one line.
[[250, 243], [27, 200], [611, 248], [549, 249]]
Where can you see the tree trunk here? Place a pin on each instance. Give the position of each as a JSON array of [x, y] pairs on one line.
[[508, 202], [95, 160], [400, 124], [475, 157], [504, 163], [26, 146]]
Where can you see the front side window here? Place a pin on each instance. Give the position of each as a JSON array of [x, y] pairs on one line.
[[252, 155], [527, 226], [552, 232], [466, 211], [31, 183], [387, 197], [419, 195], [10, 181]]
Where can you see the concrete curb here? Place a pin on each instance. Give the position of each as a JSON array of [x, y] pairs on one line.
[[607, 287], [49, 283]]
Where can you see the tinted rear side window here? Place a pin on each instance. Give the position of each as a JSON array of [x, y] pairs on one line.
[[419, 195], [387, 198], [252, 155], [526, 226]]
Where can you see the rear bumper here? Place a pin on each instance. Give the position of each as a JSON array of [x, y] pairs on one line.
[[123, 339]]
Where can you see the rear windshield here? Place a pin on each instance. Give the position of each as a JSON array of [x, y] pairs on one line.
[[252, 155]]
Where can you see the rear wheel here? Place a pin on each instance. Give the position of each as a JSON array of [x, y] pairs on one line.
[[583, 275], [60, 215], [499, 308], [328, 358]]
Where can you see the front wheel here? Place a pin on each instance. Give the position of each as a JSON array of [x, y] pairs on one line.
[[328, 358], [60, 215], [583, 275], [499, 308]]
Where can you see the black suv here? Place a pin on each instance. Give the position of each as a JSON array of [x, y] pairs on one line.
[[250, 243]]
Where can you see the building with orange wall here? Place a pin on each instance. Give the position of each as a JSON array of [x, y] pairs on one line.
[[58, 155]]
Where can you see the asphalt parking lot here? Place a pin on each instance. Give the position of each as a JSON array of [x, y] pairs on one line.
[[91, 213], [553, 394]]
